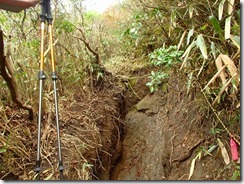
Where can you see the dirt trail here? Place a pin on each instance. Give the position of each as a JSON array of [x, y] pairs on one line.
[[143, 144], [157, 140], [163, 134]]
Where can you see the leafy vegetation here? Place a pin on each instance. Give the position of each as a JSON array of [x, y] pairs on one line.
[[200, 38], [164, 59]]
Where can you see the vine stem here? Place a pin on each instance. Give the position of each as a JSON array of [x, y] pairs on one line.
[[221, 122]]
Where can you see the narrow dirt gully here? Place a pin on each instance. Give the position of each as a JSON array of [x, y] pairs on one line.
[[164, 132], [113, 132]]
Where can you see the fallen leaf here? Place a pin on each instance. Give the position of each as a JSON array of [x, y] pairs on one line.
[[224, 152], [192, 168]]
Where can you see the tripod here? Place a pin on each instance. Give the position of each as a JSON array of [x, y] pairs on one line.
[[47, 17]]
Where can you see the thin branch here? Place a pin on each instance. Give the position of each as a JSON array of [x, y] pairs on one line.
[[237, 139], [7, 74], [91, 50], [58, 44], [154, 7]]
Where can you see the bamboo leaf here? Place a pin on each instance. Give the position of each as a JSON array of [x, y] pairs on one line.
[[228, 20], [188, 49], [232, 68], [186, 53], [227, 27], [224, 87], [193, 162], [190, 34], [202, 46], [216, 26], [221, 9], [235, 40], [181, 40], [49, 176], [230, 6], [224, 152], [213, 49], [230, 64], [219, 65], [215, 76], [191, 11], [201, 69], [239, 16], [211, 149]]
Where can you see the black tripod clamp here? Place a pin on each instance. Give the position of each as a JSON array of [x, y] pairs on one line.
[[46, 11]]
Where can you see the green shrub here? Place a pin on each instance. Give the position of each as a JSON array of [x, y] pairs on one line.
[[165, 58]]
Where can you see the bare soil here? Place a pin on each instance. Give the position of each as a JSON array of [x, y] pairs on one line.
[[163, 134], [116, 133]]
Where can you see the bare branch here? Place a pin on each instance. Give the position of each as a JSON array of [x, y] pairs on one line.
[[7, 74]]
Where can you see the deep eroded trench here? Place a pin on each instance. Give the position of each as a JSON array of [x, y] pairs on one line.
[[112, 134], [163, 133]]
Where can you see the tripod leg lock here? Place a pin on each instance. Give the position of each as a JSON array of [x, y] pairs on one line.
[[41, 75], [54, 76]]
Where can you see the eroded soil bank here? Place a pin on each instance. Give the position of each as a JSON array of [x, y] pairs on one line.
[[163, 134], [106, 137]]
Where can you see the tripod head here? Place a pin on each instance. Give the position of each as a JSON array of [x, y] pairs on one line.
[[46, 11]]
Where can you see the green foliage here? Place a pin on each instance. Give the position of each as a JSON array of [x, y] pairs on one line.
[[141, 25], [156, 80], [89, 16], [95, 68], [216, 25], [237, 173], [33, 46], [135, 27], [64, 26], [141, 31], [215, 131], [165, 58], [3, 150]]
